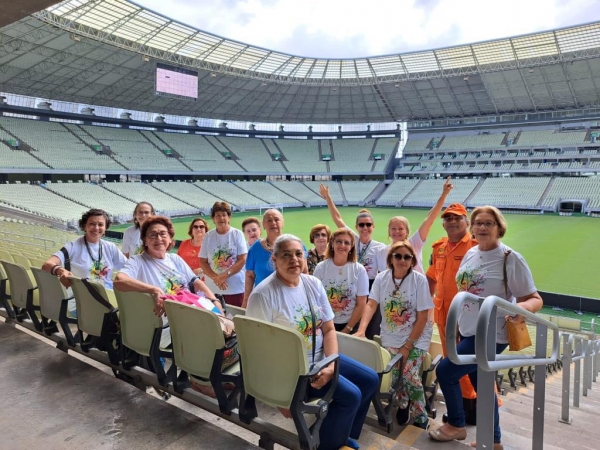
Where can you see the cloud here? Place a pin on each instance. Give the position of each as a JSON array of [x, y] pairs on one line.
[[354, 28]]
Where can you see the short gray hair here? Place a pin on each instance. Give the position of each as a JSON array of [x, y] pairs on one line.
[[284, 239]]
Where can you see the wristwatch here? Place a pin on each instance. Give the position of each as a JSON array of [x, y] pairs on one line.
[[348, 327], [229, 273]]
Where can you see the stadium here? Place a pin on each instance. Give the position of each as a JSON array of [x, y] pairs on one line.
[[104, 104]]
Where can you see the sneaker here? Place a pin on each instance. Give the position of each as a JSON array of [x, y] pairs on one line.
[[403, 415]]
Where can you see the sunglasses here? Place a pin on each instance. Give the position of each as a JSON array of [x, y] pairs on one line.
[[399, 256], [365, 224], [199, 227], [319, 235]]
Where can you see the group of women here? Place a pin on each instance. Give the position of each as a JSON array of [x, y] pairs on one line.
[[357, 286]]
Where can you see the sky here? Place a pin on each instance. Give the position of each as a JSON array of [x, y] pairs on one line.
[[350, 28]]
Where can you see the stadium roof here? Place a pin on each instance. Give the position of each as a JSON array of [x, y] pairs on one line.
[[103, 52]]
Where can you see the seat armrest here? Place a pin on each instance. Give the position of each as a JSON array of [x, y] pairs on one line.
[[322, 364], [395, 360]]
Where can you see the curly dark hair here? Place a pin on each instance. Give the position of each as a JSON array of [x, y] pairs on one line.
[[92, 213], [220, 206], [160, 220]]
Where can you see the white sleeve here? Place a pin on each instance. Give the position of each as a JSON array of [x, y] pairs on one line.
[[318, 272], [382, 259], [69, 248], [424, 300], [126, 246], [132, 267], [374, 295], [204, 249], [182, 267], [362, 283], [241, 246], [118, 258], [520, 280], [258, 308]]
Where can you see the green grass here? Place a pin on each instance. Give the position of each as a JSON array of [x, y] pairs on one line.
[[561, 251]]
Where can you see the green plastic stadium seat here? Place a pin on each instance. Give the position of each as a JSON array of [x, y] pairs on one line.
[[54, 300], [198, 350], [275, 370], [373, 355], [24, 294], [143, 334]]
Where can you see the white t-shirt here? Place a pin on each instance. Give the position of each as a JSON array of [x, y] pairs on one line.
[[222, 252], [171, 274], [342, 285], [417, 244], [85, 266], [367, 254], [275, 302], [481, 273], [399, 309], [132, 243]]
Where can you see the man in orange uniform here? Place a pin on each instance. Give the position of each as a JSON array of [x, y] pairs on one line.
[[445, 259]]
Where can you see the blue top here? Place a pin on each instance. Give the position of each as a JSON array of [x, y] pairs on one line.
[[259, 260]]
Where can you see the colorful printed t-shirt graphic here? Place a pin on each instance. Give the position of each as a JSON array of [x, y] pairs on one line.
[[221, 251], [417, 244], [277, 303], [481, 273], [84, 266], [342, 285], [171, 274], [399, 307]]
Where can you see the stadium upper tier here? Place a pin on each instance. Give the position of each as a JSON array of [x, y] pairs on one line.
[[104, 149]]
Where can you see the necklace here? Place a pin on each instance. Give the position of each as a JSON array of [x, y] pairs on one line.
[[396, 290], [267, 245], [362, 253], [97, 263], [340, 268]]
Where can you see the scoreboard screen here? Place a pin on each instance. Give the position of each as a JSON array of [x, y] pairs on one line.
[[176, 82]]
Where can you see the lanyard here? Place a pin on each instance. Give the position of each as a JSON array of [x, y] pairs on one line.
[[98, 262], [362, 253]]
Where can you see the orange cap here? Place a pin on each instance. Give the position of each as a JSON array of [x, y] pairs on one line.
[[456, 209]]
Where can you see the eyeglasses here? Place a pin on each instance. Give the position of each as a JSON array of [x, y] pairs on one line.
[[289, 255], [400, 256], [484, 224], [338, 242], [161, 234], [365, 224], [452, 218], [199, 227], [319, 235]]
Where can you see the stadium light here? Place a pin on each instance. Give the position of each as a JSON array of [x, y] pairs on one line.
[[466, 78], [146, 58], [214, 75], [75, 37]]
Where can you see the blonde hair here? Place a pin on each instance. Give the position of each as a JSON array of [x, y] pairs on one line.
[[330, 252], [498, 217]]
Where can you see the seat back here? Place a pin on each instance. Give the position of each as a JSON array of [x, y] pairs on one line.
[[272, 357], [6, 256], [196, 335], [90, 312], [22, 260], [52, 293], [138, 321], [20, 283], [236, 310], [36, 262], [367, 352]]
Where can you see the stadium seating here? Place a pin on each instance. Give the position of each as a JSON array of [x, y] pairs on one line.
[[15, 159], [334, 189], [298, 190], [252, 154], [580, 188], [268, 192], [351, 155], [356, 192], [163, 203], [475, 142], [395, 192], [550, 138], [428, 192], [510, 192], [232, 194], [302, 156]]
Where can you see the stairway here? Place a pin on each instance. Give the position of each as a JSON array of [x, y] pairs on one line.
[[23, 146], [474, 191], [546, 191]]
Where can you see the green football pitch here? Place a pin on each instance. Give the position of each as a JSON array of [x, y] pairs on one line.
[[562, 251]]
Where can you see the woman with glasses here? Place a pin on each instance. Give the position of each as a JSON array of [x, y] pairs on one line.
[[289, 298], [132, 245], [156, 271], [223, 256], [189, 250], [319, 236], [367, 249], [402, 295], [345, 281], [490, 268], [87, 256], [399, 230]]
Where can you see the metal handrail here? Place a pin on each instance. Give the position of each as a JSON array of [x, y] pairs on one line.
[[488, 362]]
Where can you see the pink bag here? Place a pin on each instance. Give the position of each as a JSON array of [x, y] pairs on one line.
[[199, 301]]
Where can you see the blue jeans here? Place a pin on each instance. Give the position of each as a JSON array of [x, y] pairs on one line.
[[449, 374], [348, 409]]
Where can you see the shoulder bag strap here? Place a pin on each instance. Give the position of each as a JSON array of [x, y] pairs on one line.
[[314, 323], [505, 278], [94, 293], [67, 264]]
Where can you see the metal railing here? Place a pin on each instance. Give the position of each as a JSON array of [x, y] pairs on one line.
[[488, 362]]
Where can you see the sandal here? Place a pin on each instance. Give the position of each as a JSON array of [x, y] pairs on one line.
[[439, 435]]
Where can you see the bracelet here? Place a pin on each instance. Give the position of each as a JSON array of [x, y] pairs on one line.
[[53, 270], [348, 327], [411, 341], [404, 346]]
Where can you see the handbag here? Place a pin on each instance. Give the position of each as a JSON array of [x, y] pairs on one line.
[[518, 334]]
